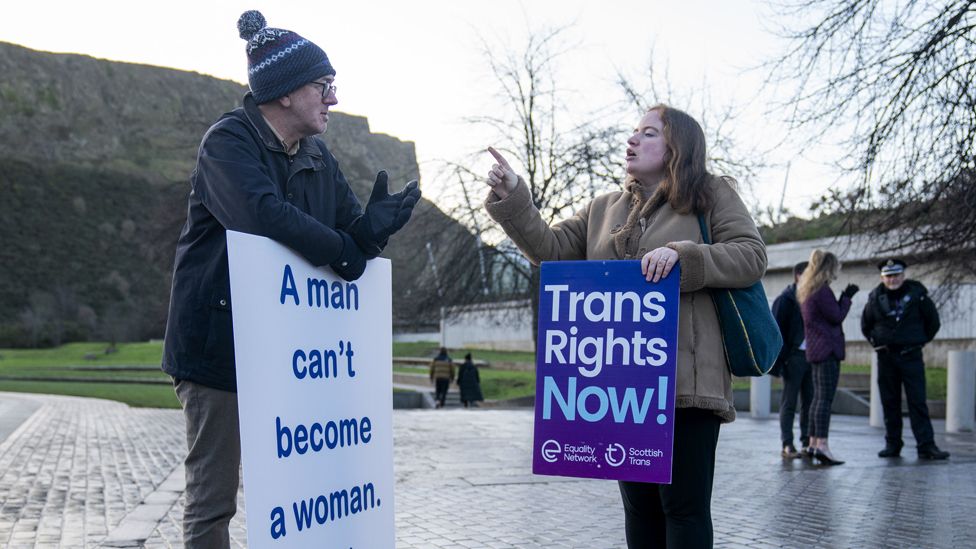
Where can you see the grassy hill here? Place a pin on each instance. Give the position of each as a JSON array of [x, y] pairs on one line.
[[94, 163]]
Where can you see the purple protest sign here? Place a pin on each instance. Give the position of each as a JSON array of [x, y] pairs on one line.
[[605, 372]]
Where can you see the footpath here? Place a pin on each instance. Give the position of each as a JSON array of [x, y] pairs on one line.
[[78, 472]]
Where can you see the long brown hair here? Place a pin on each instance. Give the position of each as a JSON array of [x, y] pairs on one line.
[[823, 267], [685, 187]]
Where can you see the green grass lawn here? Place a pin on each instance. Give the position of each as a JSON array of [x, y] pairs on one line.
[[430, 349], [935, 379], [73, 354], [133, 394], [495, 384], [89, 361]]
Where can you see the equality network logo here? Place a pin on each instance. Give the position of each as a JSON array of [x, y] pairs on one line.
[[551, 450]]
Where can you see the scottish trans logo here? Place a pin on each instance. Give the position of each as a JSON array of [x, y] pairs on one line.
[[615, 455], [551, 450]]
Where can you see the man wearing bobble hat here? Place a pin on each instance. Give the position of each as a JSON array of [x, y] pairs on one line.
[[260, 170], [899, 319]]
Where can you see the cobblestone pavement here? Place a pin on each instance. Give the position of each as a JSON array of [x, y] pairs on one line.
[[90, 473]]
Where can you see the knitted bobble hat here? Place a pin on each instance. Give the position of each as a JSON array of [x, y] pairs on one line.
[[279, 61]]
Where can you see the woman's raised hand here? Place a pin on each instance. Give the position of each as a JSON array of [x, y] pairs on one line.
[[502, 178], [657, 263]]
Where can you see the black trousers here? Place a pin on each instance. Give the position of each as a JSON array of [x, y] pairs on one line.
[[677, 515], [797, 384], [896, 368], [441, 386]]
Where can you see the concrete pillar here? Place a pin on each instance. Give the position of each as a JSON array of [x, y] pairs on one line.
[[760, 389], [876, 416], [961, 392]]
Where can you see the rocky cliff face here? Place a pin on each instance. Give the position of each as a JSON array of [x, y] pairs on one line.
[[94, 162]]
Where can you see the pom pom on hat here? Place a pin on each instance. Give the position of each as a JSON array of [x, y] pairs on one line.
[[250, 23], [279, 61]]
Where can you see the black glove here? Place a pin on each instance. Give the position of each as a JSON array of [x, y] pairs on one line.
[[850, 290], [386, 213], [351, 262]]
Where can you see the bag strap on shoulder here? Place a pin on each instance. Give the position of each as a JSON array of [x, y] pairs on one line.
[[704, 229]]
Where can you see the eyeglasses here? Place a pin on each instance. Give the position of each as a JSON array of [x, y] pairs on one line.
[[326, 88]]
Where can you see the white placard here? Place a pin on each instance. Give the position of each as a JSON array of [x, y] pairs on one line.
[[314, 386]]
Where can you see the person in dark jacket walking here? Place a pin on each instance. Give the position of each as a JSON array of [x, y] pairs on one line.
[[261, 170], [822, 318], [469, 381], [441, 375], [898, 320], [792, 365]]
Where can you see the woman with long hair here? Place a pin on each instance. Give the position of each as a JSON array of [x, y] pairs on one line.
[[655, 219], [822, 318]]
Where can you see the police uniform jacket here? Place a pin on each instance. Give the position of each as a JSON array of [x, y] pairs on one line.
[[912, 321]]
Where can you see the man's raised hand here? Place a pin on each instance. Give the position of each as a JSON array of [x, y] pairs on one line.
[[387, 213]]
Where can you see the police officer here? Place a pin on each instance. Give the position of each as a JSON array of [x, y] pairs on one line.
[[899, 319]]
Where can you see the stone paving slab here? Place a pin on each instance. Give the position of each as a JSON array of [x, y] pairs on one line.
[[76, 467], [80, 472]]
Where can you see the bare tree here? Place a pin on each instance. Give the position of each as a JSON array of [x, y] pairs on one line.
[[727, 153], [564, 164], [895, 81]]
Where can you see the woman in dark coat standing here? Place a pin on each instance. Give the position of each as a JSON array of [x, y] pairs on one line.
[[469, 381], [822, 318]]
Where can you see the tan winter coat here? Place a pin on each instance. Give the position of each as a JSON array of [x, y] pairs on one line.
[[610, 227], [441, 369]]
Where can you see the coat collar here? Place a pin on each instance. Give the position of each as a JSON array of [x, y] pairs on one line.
[[627, 240], [306, 145]]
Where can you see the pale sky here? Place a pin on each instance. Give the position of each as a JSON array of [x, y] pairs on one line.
[[415, 69]]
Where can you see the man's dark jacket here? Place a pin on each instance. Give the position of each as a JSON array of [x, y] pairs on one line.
[[918, 324], [245, 181], [786, 310]]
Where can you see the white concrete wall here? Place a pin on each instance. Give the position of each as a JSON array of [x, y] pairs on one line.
[[957, 315], [416, 337], [508, 325], [498, 326]]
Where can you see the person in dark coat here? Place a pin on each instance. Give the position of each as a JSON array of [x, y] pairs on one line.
[[469, 381], [822, 318], [898, 320], [261, 169], [441, 375], [792, 365]]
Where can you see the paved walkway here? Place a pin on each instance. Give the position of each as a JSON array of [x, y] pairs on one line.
[[91, 473]]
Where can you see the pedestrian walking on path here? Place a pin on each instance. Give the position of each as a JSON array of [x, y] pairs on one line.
[[823, 315], [655, 218], [469, 382], [441, 375], [899, 319], [261, 169]]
